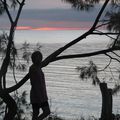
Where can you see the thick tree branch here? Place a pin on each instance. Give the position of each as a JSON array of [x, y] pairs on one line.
[[84, 55], [18, 85]]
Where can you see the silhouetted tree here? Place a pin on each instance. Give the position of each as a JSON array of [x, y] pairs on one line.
[[10, 49]]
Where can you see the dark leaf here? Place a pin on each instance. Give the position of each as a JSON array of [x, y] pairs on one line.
[[2, 10], [82, 4]]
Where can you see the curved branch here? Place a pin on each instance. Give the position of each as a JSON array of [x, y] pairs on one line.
[[106, 66], [18, 85]]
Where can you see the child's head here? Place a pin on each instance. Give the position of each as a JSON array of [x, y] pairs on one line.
[[36, 57]]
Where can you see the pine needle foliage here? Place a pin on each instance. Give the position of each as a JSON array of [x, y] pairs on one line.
[[89, 71]]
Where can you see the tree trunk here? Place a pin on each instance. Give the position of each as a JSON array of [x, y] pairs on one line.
[[11, 105], [106, 112]]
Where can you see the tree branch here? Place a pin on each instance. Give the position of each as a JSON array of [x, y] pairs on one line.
[[19, 12], [7, 11], [84, 55], [99, 14], [105, 33], [101, 25], [116, 54], [52, 57], [18, 85], [116, 40], [106, 66], [101, 33], [6, 60], [18, 2], [112, 57]]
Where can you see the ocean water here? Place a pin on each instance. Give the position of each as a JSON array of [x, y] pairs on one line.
[[69, 96]]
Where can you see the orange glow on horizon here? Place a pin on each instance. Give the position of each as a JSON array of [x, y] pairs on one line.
[[45, 28], [23, 28], [54, 28]]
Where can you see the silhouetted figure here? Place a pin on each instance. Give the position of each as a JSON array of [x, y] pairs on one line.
[[38, 94]]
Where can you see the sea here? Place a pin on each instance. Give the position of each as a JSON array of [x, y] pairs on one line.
[[69, 96]]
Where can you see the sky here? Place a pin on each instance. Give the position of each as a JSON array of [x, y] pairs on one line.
[[51, 15], [46, 4]]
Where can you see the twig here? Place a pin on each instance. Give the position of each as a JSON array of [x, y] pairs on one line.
[[116, 54], [116, 40], [106, 66], [18, 2], [102, 25], [106, 34], [112, 57]]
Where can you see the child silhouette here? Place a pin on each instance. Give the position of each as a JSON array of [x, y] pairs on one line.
[[38, 93]]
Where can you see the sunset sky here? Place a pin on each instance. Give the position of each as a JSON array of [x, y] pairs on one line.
[[51, 15]]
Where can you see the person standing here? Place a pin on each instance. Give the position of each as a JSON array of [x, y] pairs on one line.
[[38, 93]]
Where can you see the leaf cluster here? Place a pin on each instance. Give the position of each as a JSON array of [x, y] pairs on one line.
[[89, 71], [114, 21], [14, 56], [2, 10], [22, 105], [9, 3], [3, 42], [82, 4], [14, 3]]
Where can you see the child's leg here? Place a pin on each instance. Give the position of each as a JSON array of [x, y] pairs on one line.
[[46, 111], [35, 108]]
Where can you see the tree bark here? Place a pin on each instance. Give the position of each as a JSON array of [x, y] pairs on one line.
[[106, 112]]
